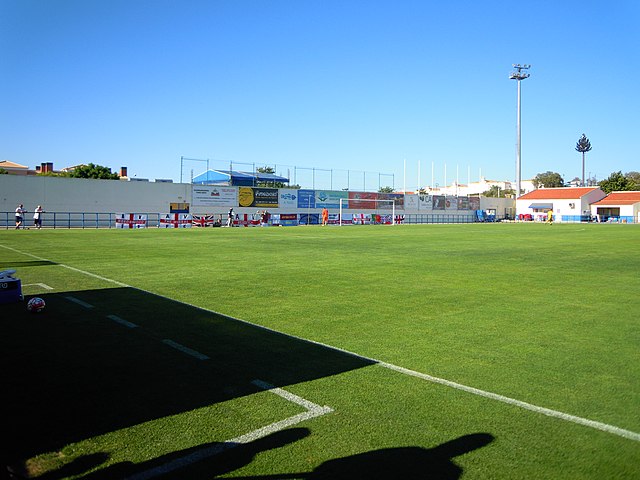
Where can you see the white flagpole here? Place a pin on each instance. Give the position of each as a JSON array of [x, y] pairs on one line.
[[404, 181]]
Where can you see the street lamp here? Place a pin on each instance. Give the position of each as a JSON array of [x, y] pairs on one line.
[[518, 75]]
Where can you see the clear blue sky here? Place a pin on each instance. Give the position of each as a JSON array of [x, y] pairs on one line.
[[332, 84]]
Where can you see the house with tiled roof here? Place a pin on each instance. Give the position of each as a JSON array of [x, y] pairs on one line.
[[619, 207], [569, 204], [14, 168]]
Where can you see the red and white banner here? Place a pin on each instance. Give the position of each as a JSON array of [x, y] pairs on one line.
[[361, 219], [203, 220], [131, 220], [176, 220], [246, 220]]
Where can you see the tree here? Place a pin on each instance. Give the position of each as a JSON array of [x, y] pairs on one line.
[[53, 174], [583, 146], [496, 192], [617, 183], [385, 190], [3, 171], [93, 171], [548, 180], [634, 177], [271, 183]]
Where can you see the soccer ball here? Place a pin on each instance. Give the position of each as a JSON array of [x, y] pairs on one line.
[[35, 305]]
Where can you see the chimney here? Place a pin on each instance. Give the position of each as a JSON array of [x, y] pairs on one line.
[[123, 171]]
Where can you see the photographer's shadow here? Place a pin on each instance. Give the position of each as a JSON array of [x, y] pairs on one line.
[[404, 463]]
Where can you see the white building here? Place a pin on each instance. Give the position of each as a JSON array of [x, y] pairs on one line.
[[477, 188], [618, 206], [568, 204]]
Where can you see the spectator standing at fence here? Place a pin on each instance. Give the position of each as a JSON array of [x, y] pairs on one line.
[[37, 217], [19, 215], [230, 218]]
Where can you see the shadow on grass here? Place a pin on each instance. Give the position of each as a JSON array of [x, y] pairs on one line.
[[71, 373], [13, 265], [216, 459]]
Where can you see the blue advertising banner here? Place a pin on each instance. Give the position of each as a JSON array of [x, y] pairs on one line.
[[306, 198], [309, 219]]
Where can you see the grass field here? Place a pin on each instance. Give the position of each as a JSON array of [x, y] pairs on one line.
[[419, 351]]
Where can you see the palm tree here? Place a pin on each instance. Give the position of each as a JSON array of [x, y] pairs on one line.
[[583, 146]]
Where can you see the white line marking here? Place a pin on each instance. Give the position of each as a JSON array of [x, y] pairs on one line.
[[313, 411], [605, 427], [79, 302], [518, 403], [291, 397], [121, 321], [184, 349], [41, 285]]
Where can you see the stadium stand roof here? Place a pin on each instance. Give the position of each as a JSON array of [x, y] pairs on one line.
[[236, 178]]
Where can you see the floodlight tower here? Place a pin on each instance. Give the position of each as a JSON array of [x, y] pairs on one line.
[[518, 75]]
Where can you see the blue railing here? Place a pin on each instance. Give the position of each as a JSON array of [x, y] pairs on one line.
[[85, 220], [71, 220]]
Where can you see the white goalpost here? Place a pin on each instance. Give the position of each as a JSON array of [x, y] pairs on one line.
[[375, 202]]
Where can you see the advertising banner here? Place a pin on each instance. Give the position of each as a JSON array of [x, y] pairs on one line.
[[438, 202], [288, 198], [131, 220], [463, 203], [309, 219], [398, 199], [331, 199], [211, 196], [175, 220], [334, 219], [451, 202], [362, 200], [257, 197], [288, 219], [178, 207], [306, 198], [425, 202], [474, 203], [411, 201]]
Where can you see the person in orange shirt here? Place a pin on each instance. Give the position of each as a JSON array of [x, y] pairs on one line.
[[325, 216]]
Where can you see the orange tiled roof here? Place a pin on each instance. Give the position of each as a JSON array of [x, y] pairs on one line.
[[620, 198], [566, 193]]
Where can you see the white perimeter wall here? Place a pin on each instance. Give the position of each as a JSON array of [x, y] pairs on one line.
[[59, 194]]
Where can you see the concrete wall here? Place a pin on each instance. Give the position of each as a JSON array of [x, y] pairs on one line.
[[59, 194]]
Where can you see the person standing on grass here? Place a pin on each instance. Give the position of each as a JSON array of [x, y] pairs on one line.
[[37, 217], [325, 216], [230, 218], [550, 217], [19, 214]]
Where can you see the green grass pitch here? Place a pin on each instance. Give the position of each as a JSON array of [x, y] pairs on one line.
[[497, 351]]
